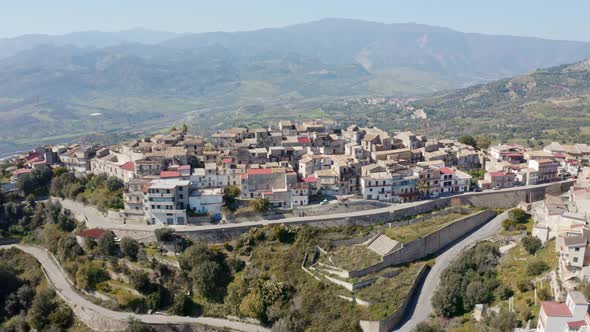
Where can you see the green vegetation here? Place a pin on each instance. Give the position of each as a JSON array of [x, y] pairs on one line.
[[415, 230], [388, 294], [517, 220], [27, 301], [98, 190], [351, 257], [469, 280], [260, 204]]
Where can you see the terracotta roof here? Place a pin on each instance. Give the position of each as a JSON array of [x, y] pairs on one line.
[[169, 174], [128, 166], [556, 309], [184, 167], [446, 170], [303, 140], [23, 171], [255, 171], [578, 323], [227, 160], [93, 233], [497, 173], [310, 179]]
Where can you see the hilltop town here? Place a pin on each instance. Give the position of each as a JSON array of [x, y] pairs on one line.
[[352, 215], [170, 178]]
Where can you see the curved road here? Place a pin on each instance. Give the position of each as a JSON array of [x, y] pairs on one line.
[[101, 319], [423, 307]]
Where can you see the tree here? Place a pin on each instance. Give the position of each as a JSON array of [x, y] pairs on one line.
[[474, 293], [482, 141], [423, 187], [129, 247], [41, 308], [427, 327], [500, 322], [106, 244], [518, 216], [136, 325], [114, 183], [468, 140], [182, 305], [164, 234], [184, 128], [140, 280], [206, 278], [230, 193], [68, 248], [154, 301], [532, 244], [260, 204]]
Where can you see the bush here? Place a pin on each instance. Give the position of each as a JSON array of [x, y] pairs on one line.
[[532, 244], [523, 285], [260, 204], [544, 294], [426, 327], [503, 293], [518, 216], [106, 245], [164, 234], [114, 183], [129, 247], [535, 268], [140, 280]]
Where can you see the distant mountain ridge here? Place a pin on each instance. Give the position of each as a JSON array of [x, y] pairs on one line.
[[52, 87]]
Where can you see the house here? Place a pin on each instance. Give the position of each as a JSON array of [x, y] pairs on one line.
[[567, 316], [207, 201], [377, 186], [497, 180], [547, 170], [166, 201], [93, 234]]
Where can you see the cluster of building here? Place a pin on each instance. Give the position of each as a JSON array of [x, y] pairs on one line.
[[170, 178], [508, 165]]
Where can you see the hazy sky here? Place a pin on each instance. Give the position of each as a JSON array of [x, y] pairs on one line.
[[565, 19]]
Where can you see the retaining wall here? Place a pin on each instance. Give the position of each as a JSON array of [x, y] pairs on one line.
[[429, 244], [392, 321]]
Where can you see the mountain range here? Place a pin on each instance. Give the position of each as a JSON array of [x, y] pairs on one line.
[[55, 88]]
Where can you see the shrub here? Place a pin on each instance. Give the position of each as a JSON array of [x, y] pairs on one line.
[[129, 247], [535, 268], [260, 204], [518, 216], [532, 244], [106, 244], [164, 234], [523, 285], [503, 292]]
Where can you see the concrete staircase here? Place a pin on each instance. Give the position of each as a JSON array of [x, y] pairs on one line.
[[383, 245]]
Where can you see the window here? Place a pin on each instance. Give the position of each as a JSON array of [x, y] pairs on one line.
[[575, 259], [577, 249]]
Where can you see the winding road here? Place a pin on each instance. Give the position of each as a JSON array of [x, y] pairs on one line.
[[102, 319], [423, 307]]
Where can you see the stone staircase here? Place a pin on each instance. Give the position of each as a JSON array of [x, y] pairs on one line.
[[383, 245]]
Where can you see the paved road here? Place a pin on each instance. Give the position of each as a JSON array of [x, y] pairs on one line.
[[101, 319], [94, 220], [423, 307]]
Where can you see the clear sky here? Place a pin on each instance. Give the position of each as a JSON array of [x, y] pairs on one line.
[[565, 19]]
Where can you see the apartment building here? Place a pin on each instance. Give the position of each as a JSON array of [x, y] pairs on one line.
[[166, 201], [571, 315]]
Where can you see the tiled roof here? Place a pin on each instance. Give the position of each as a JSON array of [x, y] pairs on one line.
[[578, 323], [184, 167], [497, 173], [93, 233], [23, 171], [446, 170], [128, 166], [169, 174], [303, 140], [556, 309]]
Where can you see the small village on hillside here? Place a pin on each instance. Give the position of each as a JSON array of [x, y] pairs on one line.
[[389, 208]]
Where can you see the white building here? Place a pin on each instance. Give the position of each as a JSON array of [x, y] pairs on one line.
[[207, 201], [377, 186], [166, 201], [571, 315]]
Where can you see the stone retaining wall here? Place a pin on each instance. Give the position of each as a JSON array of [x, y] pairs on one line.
[[389, 323], [429, 244]]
